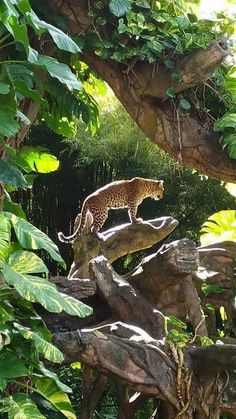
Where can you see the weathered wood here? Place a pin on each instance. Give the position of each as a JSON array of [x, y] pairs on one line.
[[118, 241]]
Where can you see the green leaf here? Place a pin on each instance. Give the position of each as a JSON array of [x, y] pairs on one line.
[[26, 262], [170, 92], [25, 91], [212, 289], [59, 70], [36, 289], [13, 207], [48, 389], [184, 104], [230, 82], [22, 407], [228, 141], [50, 374], [8, 125], [4, 88], [39, 159], [76, 308], [119, 7], [219, 227], [10, 174], [5, 235], [62, 40], [47, 349], [227, 121], [31, 237], [11, 365], [169, 64]]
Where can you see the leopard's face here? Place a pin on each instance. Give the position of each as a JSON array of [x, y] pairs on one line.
[[157, 189]]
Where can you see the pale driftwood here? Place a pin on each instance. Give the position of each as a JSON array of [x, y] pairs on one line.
[[118, 241], [167, 282]]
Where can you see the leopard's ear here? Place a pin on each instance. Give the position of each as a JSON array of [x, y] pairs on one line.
[[160, 182]]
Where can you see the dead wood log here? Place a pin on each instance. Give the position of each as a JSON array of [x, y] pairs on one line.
[[118, 241]]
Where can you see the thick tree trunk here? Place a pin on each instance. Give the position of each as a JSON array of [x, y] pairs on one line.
[[142, 91]]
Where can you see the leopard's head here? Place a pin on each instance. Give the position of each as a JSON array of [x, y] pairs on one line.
[[157, 189]]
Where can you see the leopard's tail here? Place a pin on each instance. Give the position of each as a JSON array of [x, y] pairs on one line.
[[69, 239]]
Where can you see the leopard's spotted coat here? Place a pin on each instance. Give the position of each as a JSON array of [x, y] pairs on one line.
[[121, 194]]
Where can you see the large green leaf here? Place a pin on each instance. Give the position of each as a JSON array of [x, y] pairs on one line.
[[5, 234], [219, 227], [22, 407], [26, 262], [48, 389], [228, 142], [39, 159], [230, 82], [36, 289], [59, 71], [10, 174], [47, 349], [62, 40], [50, 374], [8, 125], [119, 7], [72, 307], [31, 237], [11, 365], [227, 121]]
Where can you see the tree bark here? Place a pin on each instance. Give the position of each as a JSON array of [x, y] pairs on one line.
[[131, 342], [142, 91]]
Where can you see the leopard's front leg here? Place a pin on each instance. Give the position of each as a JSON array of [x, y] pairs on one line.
[[132, 211]]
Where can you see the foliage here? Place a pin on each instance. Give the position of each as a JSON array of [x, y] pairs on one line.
[[220, 226], [24, 338]]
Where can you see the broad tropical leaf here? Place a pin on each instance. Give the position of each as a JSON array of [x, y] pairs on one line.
[[230, 82], [31, 237], [8, 125], [10, 174], [36, 289], [11, 365], [228, 142], [48, 389], [22, 407], [50, 374], [227, 121], [220, 226], [39, 159], [47, 349], [5, 234], [59, 70], [26, 262], [72, 307]]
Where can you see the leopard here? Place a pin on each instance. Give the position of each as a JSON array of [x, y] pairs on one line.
[[119, 194]]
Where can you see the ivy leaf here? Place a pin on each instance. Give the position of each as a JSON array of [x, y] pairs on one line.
[[119, 7], [170, 92], [184, 104], [10, 174], [169, 64]]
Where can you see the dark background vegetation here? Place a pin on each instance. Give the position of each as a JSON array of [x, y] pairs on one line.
[[119, 150]]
